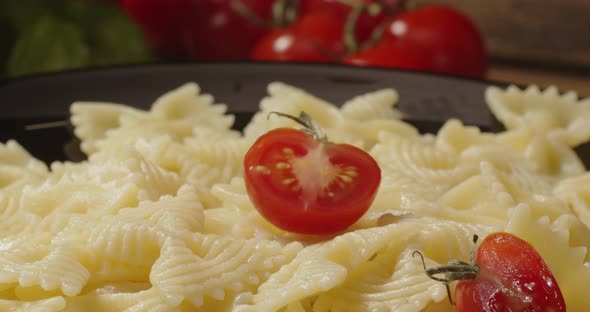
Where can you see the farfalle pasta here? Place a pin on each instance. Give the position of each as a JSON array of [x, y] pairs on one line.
[[158, 219]]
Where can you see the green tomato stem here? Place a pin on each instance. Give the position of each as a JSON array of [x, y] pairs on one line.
[[284, 12], [239, 7], [310, 125], [453, 271]]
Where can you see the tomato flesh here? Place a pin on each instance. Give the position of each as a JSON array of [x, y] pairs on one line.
[[302, 185], [512, 277]]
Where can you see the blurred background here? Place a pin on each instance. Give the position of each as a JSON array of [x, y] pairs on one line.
[[521, 41]]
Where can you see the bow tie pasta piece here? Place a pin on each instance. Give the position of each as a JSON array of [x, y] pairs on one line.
[[575, 192], [543, 111], [375, 105], [566, 262], [18, 167], [188, 103], [92, 120], [120, 297], [175, 113], [289, 100], [549, 155], [55, 304], [197, 267], [415, 169]]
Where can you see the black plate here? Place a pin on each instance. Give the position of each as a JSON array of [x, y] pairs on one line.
[[426, 100]]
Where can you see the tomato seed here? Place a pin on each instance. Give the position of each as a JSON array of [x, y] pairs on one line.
[[283, 165], [262, 169]]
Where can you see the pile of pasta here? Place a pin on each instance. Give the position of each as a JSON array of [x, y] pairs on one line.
[[158, 219]]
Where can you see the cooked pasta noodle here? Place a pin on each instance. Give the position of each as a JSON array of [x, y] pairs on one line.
[[158, 219]]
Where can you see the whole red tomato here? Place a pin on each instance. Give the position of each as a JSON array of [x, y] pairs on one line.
[[453, 43], [163, 22], [505, 274], [512, 277], [218, 30], [307, 185], [316, 37]]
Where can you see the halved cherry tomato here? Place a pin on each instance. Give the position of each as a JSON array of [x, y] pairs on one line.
[[306, 186], [512, 277]]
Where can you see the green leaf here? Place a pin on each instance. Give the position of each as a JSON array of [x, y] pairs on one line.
[[8, 37], [49, 44], [22, 13], [115, 39]]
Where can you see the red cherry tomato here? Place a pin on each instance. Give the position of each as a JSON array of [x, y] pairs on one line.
[[316, 37], [452, 41], [163, 22], [287, 45], [391, 55], [218, 31], [306, 186], [512, 277]]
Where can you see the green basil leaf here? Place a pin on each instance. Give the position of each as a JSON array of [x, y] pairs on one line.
[[23, 13], [115, 39], [49, 44], [8, 35]]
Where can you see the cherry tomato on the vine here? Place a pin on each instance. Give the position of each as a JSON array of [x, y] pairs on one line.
[[227, 29], [453, 43], [366, 22], [316, 37], [304, 185]]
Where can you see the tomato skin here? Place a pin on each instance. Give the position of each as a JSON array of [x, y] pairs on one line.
[[217, 31], [316, 37], [391, 56], [163, 22], [453, 42], [285, 45], [292, 209], [508, 263]]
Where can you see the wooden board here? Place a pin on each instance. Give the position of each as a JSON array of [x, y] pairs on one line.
[[565, 81], [546, 32]]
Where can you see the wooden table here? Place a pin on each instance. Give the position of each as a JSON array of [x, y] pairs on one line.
[[544, 42], [564, 80]]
